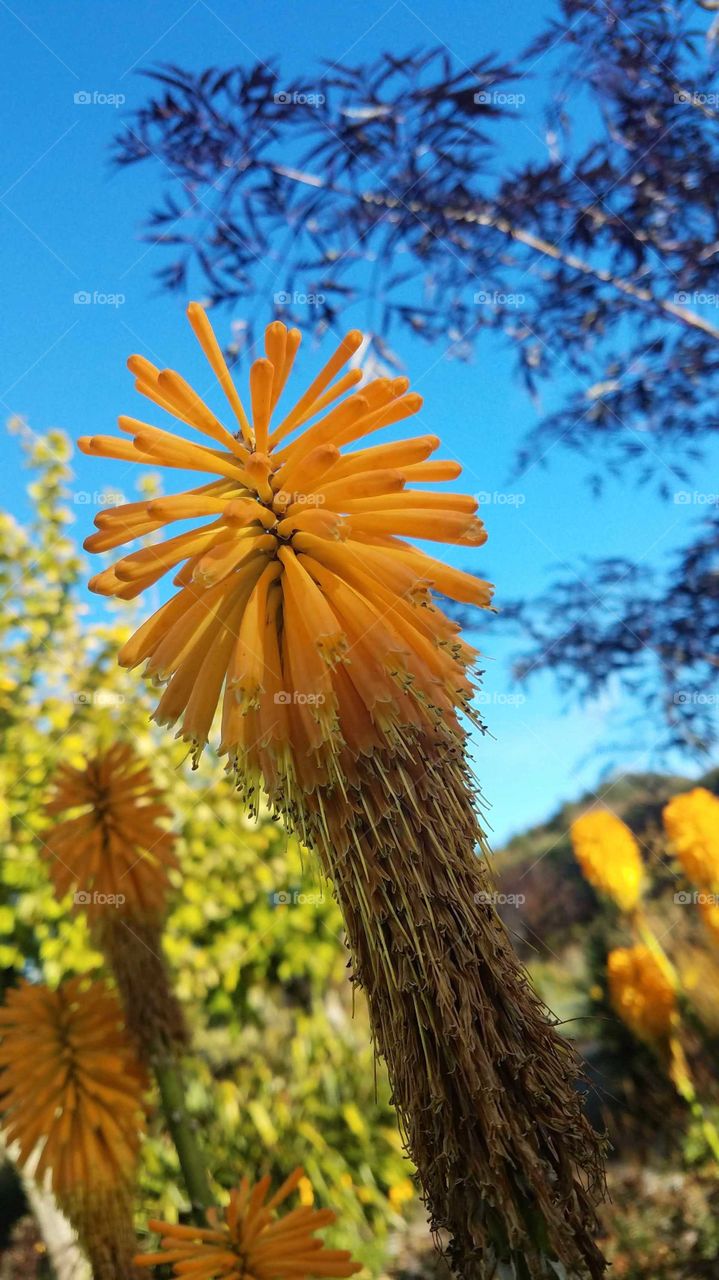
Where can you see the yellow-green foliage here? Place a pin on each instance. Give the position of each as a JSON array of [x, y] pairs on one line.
[[282, 1069]]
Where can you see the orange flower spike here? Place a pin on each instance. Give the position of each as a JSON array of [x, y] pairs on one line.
[[250, 1242], [342, 686], [111, 826], [691, 820], [56, 1085]]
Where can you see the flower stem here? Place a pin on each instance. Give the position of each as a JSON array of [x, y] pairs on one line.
[[194, 1171], [646, 934]]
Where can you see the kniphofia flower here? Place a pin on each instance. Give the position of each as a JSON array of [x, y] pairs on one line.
[[107, 844], [642, 992], [251, 1241], [609, 857], [691, 820], [305, 609], [71, 1088]]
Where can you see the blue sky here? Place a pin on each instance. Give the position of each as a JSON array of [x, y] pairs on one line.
[[70, 224]]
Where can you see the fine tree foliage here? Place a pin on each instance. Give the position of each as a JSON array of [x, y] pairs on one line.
[[384, 184]]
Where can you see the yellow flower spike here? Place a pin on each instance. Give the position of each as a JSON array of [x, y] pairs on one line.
[[609, 857], [304, 612], [691, 821], [642, 992], [71, 1086], [251, 1241]]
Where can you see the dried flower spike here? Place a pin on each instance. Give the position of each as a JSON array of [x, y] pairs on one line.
[[251, 1242], [71, 1085], [691, 820], [303, 609], [609, 857]]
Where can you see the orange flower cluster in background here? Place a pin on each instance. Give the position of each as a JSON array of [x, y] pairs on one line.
[[609, 857], [70, 1084], [109, 847], [251, 1242], [691, 821], [641, 992]]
